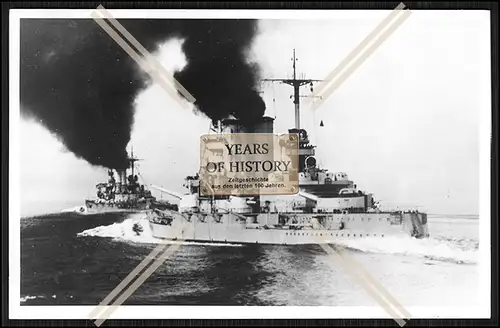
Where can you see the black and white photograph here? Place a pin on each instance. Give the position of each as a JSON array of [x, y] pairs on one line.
[[382, 211]]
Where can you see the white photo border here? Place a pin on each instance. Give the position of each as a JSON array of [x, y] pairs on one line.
[[18, 311]]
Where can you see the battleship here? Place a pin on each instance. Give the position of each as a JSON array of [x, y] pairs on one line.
[[326, 208], [121, 193]]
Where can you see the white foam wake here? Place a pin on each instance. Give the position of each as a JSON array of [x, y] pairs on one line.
[[26, 298], [439, 248], [461, 250], [123, 231], [75, 209]]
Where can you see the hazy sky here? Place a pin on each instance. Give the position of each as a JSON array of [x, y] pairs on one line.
[[404, 126]]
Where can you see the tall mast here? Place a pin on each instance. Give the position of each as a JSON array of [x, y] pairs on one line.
[[296, 84], [132, 159]]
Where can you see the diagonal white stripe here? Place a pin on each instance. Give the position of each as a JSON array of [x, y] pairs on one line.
[[380, 289], [147, 260], [168, 252], [356, 51], [364, 278], [167, 75], [361, 59], [369, 288], [145, 64]]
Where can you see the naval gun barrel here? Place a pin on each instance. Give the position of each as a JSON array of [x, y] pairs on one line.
[[171, 193], [308, 196]]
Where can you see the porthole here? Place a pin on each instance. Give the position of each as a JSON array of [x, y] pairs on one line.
[[354, 235]]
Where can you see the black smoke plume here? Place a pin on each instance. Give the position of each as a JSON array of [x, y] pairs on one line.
[[81, 85]]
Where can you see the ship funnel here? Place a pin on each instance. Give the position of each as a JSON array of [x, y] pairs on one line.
[[122, 180], [264, 125]]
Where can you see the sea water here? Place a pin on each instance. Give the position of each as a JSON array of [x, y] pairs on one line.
[[72, 259]]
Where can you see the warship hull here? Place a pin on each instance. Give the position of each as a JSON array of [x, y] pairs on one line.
[[93, 208], [110, 209], [316, 229]]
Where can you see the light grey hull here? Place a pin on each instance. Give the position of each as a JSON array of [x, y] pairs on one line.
[[97, 208], [102, 210], [231, 230]]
